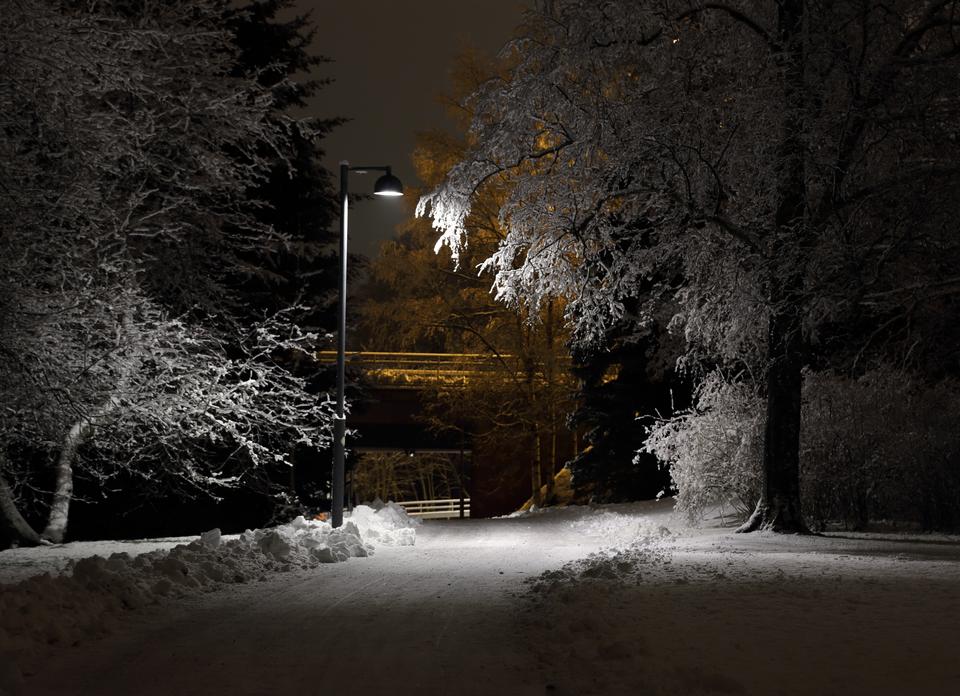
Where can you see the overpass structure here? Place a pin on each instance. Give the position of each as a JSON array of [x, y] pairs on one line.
[[388, 415]]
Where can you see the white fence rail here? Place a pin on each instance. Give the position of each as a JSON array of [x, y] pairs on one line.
[[436, 509]]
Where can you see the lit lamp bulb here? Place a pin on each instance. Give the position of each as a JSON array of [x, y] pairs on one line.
[[388, 185]]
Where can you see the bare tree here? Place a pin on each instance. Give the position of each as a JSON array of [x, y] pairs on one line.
[[128, 153]]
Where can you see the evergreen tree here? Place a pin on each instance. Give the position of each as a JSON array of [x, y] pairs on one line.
[[298, 198]]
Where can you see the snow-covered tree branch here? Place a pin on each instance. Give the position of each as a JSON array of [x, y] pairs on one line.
[[744, 159], [126, 225]]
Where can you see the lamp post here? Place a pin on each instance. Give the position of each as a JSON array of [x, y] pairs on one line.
[[386, 185]]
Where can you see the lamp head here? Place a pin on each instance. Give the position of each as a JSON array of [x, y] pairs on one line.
[[388, 185]]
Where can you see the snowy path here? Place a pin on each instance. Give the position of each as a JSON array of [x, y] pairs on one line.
[[669, 613], [437, 618]]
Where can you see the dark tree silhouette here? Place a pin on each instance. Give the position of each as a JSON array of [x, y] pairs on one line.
[[776, 150]]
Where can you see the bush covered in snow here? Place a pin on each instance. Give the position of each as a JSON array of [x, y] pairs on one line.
[[714, 448], [883, 446]]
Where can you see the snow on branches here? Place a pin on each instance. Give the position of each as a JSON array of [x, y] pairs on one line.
[[641, 145], [778, 170], [611, 162], [126, 227]]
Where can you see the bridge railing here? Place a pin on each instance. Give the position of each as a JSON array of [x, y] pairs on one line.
[[441, 509], [409, 369], [413, 369]]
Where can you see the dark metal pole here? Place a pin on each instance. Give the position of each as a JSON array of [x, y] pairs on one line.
[[462, 482], [340, 421]]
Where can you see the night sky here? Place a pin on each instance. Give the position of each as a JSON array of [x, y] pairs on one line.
[[391, 62]]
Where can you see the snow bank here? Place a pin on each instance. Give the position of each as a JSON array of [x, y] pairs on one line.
[[646, 550], [707, 612], [93, 592]]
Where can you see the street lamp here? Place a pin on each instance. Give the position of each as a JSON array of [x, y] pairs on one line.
[[386, 185]]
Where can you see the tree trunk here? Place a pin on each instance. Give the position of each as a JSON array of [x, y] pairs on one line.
[[779, 506], [19, 531], [550, 374], [536, 469], [59, 512]]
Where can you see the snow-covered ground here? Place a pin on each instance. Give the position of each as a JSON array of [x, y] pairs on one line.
[[712, 612], [612, 600], [61, 596]]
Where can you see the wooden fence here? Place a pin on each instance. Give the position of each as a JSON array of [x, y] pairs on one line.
[[446, 508]]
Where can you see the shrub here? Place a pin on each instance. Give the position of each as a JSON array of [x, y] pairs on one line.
[[880, 447], [713, 449], [883, 446]]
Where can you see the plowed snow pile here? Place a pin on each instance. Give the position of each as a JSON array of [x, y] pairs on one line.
[[94, 591]]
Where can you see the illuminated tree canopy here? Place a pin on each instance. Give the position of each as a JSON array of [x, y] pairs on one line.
[[772, 154]]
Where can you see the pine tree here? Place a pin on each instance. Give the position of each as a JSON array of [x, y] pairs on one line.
[[298, 197]]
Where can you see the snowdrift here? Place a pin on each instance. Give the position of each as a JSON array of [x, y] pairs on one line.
[[93, 592]]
